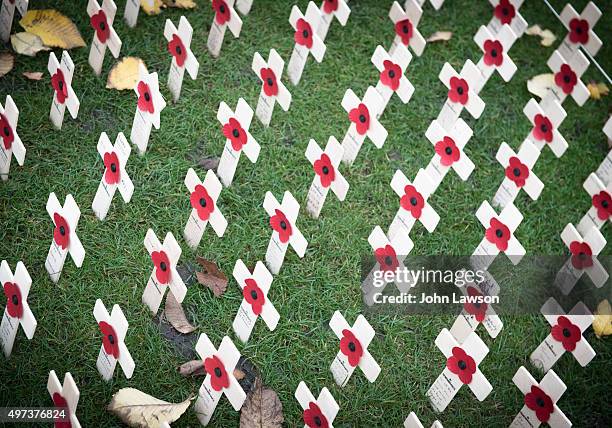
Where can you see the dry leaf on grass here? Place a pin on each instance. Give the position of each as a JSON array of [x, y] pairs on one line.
[[7, 61], [181, 4], [137, 409], [440, 36], [602, 324], [33, 75], [262, 408], [209, 163], [124, 74], [547, 36], [152, 8], [196, 368], [27, 44], [540, 85], [597, 90], [173, 311], [55, 29], [211, 277]]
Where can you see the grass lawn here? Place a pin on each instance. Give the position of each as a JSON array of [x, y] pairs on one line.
[[307, 291]]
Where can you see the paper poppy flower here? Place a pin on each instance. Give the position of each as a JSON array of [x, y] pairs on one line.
[[412, 201], [386, 258], [448, 151], [60, 403], [233, 131], [493, 53], [504, 11], [162, 266], [350, 346], [112, 174], [458, 92], [325, 170], [7, 132], [177, 50], [567, 333], [538, 401], [391, 75], [281, 225], [566, 79], [110, 342], [218, 375], [253, 295], [14, 306], [543, 128], [222, 11], [461, 364], [602, 202], [404, 30], [517, 171], [313, 416], [498, 234], [479, 310], [581, 255], [202, 202], [61, 233], [270, 85], [303, 33], [145, 99], [579, 31], [59, 85], [330, 6], [360, 116], [100, 25]]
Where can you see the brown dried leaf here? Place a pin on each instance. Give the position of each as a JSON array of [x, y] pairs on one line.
[[175, 315], [440, 36], [27, 44], [33, 75], [7, 61], [262, 408], [180, 4], [196, 368], [211, 276], [137, 409]]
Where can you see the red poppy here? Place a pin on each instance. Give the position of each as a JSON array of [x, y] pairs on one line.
[[412, 201], [579, 31], [61, 403], [479, 310], [61, 233], [14, 306], [566, 79], [313, 416], [222, 11], [177, 50], [567, 333], [404, 30], [325, 170], [112, 175], [386, 258], [330, 6], [202, 202], [458, 92], [461, 364], [581, 255], [493, 53], [100, 25], [391, 75], [145, 99], [270, 85], [504, 11], [162, 266], [281, 225], [448, 151], [218, 375], [543, 128], [602, 202], [498, 234], [360, 116], [517, 171], [59, 84], [303, 33], [254, 296], [538, 401], [109, 339], [350, 346], [234, 132], [7, 132]]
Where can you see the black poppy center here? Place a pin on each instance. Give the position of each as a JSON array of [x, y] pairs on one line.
[[147, 96], [579, 30], [305, 34], [582, 255], [392, 73], [505, 11], [102, 25], [388, 260], [163, 266], [270, 81], [604, 204], [544, 128], [405, 29], [254, 294], [203, 202], [460, 90], [499, 233], [566, 332], [236, 133], [362, 118], [60, 85], [566, 78], [448, 151], [516, 172], [317, 421], [7, 131], [178, 50], [218, 372], [222, 8], [477, 305], [413, 201], [113, 167], [283, 225], [326, 171], [540, 402], [15, 299], [462, 364], [111, 339], [494, 53], [62, 230], [351, 346]]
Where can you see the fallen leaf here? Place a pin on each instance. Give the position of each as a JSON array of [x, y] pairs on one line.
[[597, 90], [196, 368], [262, 408], [211, 276], [152, 8], [27, 44], [540, 85], [209, 163], [181, 4], [33, 75], [137, 409], [440, 36], [173, 311], [124, 74], [602, 324], [7, 61], [547, 37], [184, 344], [55, 29]]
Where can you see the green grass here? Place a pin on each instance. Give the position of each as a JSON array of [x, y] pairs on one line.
[[307, 291]]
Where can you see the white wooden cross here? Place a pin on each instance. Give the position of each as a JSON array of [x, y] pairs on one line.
[[330, 9], [65, 240], [219, 366], [101, 20], [179, 41], [495, 56], [203, 199], [164, 274], [255, 303], [412, 421], [63, 94], [148, 109], [462, 361], [584, 249], [115, 176], [540, 402], [272, 88], [132, 7], [463, 91], [518, 171], [437, 4], [405, 24], [6, 16], [244, 6], [17, 312], [604, 171], [327, 175], [580, 30], [567, 78], [565, 335], [354, 342], [283, 217], [11, 144], [64, 396], [448, 147], [235, 128], [601, 204], [546, 120], [392, 79], [113, 327], [363, 115], [317, 412], [499, 235], [306, 40], [507, 12], [225, 17]]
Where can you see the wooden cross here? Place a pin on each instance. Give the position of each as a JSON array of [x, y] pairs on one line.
[[495, 56], [179, 41], [463, 91], [272, 88], [601, 204], [331, 9], [101, 20], [412, 421], [317, 412], [518, 171], [132, 7], [567, 78], [113, 327], [546, 120], [437, 4], [405, 23], [65, 397], [6, 16], [225, 17], [580, 30], [63, 95], [392, 79], [507, 12], [306, 40], [148, 109], [604, 171], [11, 144], [244, 6]]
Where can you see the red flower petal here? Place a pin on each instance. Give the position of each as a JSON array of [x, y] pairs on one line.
[[177, 50], [222, 11], [303, 33], [493, 53], [448, 151], [581, 255], [566, 79], [100, 25], [412, 201], [579, 31], [391, 75], [543, 128], [202, 202], [505, 12], [233, 131], [386, 258], [360, 116], [145, 98], [59, 85], [330, 6], [404, 30], [459, 89], [254, 296], [498, 234], [538, 401], [112, 174], [218, 375], [281, 225], [61, 233], [110, 341], [7, 132], [314, 418], [14, 305], [163, 268], [270, 85], [517, 171], [325, 170], [351, 347], [602, 202]]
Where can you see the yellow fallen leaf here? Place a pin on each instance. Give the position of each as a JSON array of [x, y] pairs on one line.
[[547, 36], [124, 74], [440, 36], [153, 7], [33, 75], [137, 409], [55, 29], [602, 324], [540, 85], [181, 4], [597, 90], [7, 61], [27, 44]]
